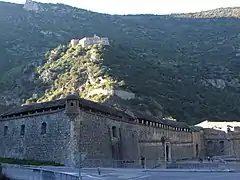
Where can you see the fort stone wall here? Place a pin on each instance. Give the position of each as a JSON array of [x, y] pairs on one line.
[[36, 141], [73, 126], [221, 138], [234, 138], [236, 145], [198, 143], [217, 143], [105, 137]]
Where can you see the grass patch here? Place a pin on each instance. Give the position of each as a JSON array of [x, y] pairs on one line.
[[28, 162]]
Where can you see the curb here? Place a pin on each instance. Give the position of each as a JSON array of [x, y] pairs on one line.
[[188, 170]]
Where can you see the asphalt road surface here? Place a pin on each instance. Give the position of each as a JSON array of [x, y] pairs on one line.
[[189, 176], [124, 174]]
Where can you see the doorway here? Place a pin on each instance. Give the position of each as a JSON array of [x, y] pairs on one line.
[[197, 151], [167, 152]]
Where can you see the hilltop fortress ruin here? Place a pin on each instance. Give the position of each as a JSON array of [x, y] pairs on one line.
[[87, 41], [31, 6]]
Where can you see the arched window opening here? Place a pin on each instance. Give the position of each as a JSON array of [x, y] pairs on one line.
[[22, 130], [71, 104], [114, 131], [44, 128], [5, 130]]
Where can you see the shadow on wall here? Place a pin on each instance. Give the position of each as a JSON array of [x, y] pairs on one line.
[[3, 177]]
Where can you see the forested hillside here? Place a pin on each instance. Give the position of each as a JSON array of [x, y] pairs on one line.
[[181, 65]]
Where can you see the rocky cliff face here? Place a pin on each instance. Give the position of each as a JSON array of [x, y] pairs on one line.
[[185, 66]]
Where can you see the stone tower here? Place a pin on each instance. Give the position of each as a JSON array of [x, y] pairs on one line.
[[72, 110], [72, 105]]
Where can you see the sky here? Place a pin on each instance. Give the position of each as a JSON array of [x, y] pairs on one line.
[[143, 6]]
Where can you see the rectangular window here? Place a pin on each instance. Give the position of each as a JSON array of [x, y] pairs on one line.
[[5, 130], [22, 130]]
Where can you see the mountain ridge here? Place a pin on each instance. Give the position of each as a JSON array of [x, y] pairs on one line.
[[219, 9], [182, 67]]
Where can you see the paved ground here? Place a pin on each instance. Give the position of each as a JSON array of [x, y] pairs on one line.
[[171, 176], [18, 173], [130, 174], [163, 176], [191, 176]]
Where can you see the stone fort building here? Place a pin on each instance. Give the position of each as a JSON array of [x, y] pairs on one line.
[[87, 41], [63, 129], [221, 138]]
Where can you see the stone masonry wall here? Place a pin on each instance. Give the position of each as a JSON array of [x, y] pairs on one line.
[[236, 146], [132, 140], [234, 138], [217, 143], [198, 144], [93, 135], [33, 145]]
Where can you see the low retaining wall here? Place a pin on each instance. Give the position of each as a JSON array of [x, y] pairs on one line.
[[17, 172]]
